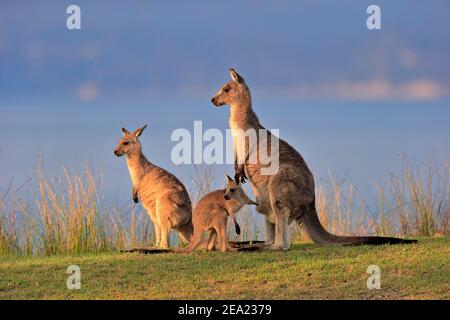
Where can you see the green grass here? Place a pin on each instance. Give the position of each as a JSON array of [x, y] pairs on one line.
[[307, 271]]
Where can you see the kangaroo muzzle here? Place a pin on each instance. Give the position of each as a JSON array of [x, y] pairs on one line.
[[215, 101]]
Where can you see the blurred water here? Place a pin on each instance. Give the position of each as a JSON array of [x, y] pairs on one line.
[[362, 139]]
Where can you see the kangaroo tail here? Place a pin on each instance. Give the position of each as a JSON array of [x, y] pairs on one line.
[[316, 232], [186, 231], [194, 243]]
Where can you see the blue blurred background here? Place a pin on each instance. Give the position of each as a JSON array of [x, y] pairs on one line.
[[349, 99]]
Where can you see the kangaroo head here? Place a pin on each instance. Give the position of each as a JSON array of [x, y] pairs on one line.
[[232, 93], [129, 143], [233, 191]]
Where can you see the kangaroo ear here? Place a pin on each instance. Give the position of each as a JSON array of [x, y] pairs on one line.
[[229, 179], [125, 131], [139, 131], [236, 77]]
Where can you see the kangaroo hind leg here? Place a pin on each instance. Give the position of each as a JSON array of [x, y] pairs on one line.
[[212, 240], [221, 229], [280, 209], [270, 231]]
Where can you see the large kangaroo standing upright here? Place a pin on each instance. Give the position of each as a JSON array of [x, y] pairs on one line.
[[288, 193]]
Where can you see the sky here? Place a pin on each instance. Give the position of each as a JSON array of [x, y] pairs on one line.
[[349, 99]]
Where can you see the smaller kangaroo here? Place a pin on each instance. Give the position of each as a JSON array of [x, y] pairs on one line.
[[163, 196], [211, 214]]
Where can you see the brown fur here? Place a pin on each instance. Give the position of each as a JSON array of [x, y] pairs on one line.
[[211, 215], [163, 196], [286, 195]]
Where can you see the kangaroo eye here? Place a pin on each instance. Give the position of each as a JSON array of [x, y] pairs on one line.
[[126, 143], [227, 90], [232, 190]]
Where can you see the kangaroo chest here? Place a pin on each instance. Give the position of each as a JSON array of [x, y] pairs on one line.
[[245, 141], [247, 153], [238, 141], [134, 175]]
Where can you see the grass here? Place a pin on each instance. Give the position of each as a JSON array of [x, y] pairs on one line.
[[69, 214], [307, 271]]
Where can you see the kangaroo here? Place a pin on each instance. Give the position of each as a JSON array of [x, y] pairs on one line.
[[163, 196], [211, 214], [287, 194]]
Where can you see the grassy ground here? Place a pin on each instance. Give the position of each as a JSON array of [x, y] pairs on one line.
[[307, 271]]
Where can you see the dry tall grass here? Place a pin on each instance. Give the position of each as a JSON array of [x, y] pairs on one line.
[[69, 215], [9, 242]]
